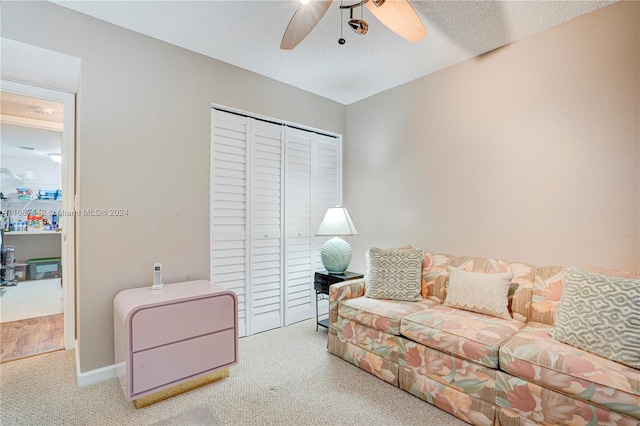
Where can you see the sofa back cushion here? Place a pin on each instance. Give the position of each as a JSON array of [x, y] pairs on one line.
[[435, 275], [610, 272], [547, 291]]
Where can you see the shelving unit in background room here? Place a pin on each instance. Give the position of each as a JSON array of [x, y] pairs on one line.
[[33, 296], [25, 233], [32, 244]]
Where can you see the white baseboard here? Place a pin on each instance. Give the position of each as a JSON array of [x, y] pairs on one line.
[[94, 376]]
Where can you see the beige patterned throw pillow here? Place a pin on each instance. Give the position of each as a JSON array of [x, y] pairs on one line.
[[394, 274], [600, 314], [367, 259], [480, 292]]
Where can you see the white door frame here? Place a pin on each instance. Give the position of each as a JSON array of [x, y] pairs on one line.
[[67, 221]]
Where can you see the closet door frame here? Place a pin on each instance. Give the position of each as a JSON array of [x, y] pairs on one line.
[[248, 224]]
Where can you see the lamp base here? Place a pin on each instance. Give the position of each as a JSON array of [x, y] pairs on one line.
[[336, 255]]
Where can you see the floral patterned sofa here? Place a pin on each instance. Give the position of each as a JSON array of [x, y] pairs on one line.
[[479, 368]]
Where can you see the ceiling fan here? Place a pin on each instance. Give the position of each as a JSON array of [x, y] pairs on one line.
[[398, 15]]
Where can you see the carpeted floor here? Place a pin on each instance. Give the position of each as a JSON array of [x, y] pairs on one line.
[[285, 377], [196, 416]]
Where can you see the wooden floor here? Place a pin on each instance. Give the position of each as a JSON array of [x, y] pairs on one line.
[[32, 336]]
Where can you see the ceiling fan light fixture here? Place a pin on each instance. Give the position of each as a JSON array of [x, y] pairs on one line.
[[400, 17], [360, 26], [397, 15]]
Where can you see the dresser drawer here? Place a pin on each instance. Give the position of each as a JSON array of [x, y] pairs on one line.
[[167, 364], [160, 325]]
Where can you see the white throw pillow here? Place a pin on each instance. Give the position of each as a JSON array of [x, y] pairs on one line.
[[484, 293]]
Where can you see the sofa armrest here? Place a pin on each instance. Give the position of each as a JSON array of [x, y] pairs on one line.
[[341, 291]]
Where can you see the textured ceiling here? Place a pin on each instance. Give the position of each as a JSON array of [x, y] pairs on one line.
[[32, 108], [248, 34], [33, 138]]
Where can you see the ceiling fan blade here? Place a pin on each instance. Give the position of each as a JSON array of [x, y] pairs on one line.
[[400, 17], [303, 21]]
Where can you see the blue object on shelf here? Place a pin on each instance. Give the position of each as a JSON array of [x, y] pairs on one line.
[[48, 194]]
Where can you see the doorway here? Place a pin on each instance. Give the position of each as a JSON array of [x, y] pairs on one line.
[[38, 175]]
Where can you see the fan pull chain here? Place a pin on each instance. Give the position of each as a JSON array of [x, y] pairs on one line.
[[341, 40]]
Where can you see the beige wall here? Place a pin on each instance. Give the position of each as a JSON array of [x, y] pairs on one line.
[[530, 152], [143, 145]]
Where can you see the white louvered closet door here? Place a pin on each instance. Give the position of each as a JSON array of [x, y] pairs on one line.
[[299, 228], [327, 183], [229, 201], [270, 187], [266, 231]]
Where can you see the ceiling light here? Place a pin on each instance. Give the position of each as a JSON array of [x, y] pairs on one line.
[[398, 15], [360, 26], [43, 110], [56, 157]]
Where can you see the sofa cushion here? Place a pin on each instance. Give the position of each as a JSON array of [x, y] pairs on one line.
[[600, 314], [479, 292], [611, 272], [534, 355], [469, 335], [394, 274], [547, 292], [435, 275], [381, 314]]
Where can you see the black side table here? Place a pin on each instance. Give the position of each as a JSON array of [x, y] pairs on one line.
[[321, 283]]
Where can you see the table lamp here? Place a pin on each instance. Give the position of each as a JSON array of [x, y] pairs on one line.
[[336, 252]]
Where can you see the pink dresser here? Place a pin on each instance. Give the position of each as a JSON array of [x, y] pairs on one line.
[[164, 338]]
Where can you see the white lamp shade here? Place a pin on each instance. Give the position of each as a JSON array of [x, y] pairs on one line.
[[336, 222]]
